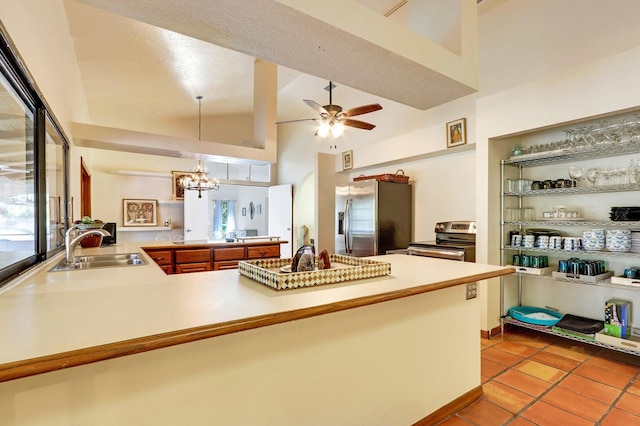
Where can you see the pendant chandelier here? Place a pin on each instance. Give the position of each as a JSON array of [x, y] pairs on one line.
[[199, 180]]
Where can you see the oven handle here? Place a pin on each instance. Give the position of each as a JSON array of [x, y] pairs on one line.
[[440, 254]]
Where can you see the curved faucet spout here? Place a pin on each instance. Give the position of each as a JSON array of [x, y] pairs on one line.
[[71, 244]]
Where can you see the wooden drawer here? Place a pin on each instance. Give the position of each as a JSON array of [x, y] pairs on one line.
[[227, 264], [161, 257], [259, 252], [193, 256], [168, 269], [232, 253], [193, 267]]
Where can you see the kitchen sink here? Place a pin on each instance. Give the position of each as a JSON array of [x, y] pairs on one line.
[[100, 261]]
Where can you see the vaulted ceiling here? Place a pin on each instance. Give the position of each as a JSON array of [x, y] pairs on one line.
[[143, 62]]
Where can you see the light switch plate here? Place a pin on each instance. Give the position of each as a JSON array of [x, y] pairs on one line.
[[472, 290]]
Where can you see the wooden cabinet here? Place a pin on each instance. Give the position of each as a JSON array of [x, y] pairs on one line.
[[228, 257], [217, 257], [164, 259], [192, 260], [263, 252]]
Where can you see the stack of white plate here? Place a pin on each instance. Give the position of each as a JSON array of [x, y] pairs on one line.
[[618, 240]]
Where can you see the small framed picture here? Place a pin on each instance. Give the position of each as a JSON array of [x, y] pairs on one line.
[[456, 133], [178, 190], [140, 212], [347, 160]]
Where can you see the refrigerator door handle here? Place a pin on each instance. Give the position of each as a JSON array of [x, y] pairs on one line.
[[347, 225]]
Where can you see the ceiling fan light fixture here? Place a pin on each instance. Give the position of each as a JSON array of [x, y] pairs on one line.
[[337, 129], [323, 129]]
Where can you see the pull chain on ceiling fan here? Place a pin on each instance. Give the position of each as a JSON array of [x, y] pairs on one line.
[[333, 119]]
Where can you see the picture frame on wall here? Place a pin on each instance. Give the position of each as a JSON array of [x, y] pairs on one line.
[[140, 212], [347, 160], [456, 132], [178, 190]]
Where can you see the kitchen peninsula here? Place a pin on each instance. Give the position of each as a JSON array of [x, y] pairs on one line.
[[133, 345]]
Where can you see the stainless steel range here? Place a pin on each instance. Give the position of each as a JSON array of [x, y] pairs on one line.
[[454, 240]]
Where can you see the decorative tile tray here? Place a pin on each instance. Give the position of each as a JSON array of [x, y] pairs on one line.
[[343, 268]]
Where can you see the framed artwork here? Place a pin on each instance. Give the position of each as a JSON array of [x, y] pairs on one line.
[[178, 190], [140, 212], [456, 132], [347, 160]]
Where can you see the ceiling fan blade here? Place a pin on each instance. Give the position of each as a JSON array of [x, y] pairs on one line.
[[316, 106], [357, 123], [364, 109], [295, 121]]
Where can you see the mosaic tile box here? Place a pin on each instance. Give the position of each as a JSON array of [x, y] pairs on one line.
[[343, 268]]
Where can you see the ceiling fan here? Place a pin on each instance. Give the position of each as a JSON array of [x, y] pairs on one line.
[[333, 118]]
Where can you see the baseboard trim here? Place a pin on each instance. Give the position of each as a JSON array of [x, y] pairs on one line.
[[488, 334], [451, 408]]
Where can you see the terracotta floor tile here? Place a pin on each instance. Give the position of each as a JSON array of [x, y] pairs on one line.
[[613, 365], [484, 379], [519, 421], [576, 346], [567, 353], [544, 414], [557, 361], [501, 357], [620, 356], [485, 413], [455, 421], [590, 388], [629, 403], [516, 348], [489, 342], [534, 342], [541, 371], [634, 388], [602, 375], [575, 403], [506, 396], [490, 368], [618, 418], [523, 382]]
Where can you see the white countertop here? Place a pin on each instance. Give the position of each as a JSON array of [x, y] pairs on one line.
[[44, 313]]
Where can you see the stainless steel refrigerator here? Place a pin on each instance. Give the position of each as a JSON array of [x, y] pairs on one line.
[[373, 217]]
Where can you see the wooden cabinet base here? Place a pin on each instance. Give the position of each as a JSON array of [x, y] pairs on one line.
[[210, 257]]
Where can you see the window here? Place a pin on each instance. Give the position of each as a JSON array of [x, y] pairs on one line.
[[33, 171], [17, 177], [57, 209], [224, 218]]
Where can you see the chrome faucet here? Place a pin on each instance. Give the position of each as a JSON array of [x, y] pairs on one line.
[[71, 244]]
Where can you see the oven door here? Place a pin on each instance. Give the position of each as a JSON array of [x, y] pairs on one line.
[[441, 253]]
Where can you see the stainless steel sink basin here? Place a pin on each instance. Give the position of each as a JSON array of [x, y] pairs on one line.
[[101, 261]]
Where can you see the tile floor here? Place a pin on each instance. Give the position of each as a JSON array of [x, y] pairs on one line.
[[531, 378]]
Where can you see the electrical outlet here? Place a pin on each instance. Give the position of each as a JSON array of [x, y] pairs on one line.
[[472, 290]]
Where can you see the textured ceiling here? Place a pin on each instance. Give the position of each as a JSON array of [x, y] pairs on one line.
[[143, 77]]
